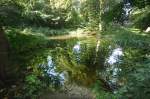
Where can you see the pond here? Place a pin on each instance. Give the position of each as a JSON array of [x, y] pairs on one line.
[[83, 60]]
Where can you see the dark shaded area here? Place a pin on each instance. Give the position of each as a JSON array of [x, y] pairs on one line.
[[4, 59]]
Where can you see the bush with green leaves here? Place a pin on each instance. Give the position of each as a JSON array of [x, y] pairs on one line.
[[137, 86]]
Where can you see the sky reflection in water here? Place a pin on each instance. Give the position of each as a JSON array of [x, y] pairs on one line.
[[114, 57]]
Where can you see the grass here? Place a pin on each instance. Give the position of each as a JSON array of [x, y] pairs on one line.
[[127, 37], [47, 31]]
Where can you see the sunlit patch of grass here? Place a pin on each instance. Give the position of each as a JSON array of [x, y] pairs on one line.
[[44, 31], [134, 30], [127, 37], [47, 31], [28, 31]]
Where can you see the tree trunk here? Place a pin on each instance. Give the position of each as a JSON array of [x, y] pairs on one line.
[[4, 61]]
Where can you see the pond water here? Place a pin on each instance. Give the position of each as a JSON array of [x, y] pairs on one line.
[[84, 60]]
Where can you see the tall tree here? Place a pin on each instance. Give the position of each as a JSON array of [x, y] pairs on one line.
[[4, 61]]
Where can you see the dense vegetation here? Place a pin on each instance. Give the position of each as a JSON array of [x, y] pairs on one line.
[[67, 47]]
